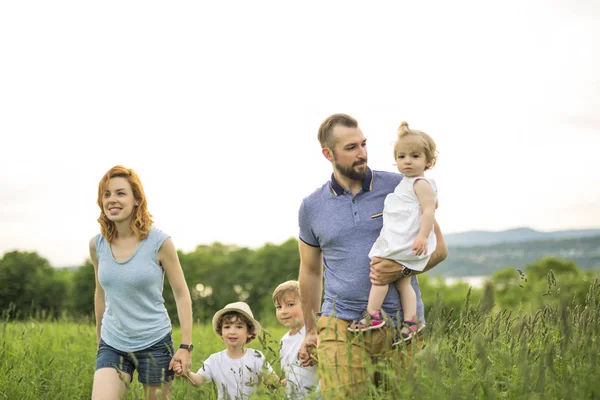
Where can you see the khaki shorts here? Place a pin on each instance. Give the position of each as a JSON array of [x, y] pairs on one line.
[[347, 360]]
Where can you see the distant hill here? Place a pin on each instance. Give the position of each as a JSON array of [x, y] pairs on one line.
[[484, 260], [517, 235]]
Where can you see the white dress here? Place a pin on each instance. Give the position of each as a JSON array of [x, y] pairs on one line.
[[300, 380], [401, 223]]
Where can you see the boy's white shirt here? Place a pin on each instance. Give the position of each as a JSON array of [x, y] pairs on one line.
[[239, 377], [300, 380]]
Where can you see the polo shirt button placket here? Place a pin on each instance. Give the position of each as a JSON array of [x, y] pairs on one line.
[[354, 210]]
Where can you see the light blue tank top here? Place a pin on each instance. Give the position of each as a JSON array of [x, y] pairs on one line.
[[135, 316]]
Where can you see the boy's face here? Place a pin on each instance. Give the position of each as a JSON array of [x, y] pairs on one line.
[[234, 332], [289, 312]]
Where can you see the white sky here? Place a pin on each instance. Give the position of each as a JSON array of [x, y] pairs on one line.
[[217, 106]]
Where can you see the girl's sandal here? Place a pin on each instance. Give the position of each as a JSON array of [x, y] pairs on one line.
[[368, 321], [405, 337]]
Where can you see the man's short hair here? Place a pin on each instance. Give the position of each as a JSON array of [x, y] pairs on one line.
[[287, 287], [326, 129]]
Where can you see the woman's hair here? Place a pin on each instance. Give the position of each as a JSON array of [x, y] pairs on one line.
[[142, 219], [234, 316], [429, 147], [286, 287]]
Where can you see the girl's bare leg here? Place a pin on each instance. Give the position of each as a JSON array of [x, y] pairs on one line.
[[408, 298], [376, 297]]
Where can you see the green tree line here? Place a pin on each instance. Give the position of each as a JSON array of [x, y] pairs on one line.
[[218, 274]]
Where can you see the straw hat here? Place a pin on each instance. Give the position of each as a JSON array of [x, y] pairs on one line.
[[243, 309]]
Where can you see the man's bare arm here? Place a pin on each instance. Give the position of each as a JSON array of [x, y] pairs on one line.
[[310, 279], [441, 249], [311, 286]]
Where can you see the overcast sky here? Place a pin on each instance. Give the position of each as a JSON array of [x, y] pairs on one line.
[[217, 106]]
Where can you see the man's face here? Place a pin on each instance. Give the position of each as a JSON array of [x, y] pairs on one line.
[[350, 152]]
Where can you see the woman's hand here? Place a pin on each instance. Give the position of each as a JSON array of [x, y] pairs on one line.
[[181, 362], [178, 369]]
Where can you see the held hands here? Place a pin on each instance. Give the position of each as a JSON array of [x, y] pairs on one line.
[[420, 246], [181, 362], [307, 353], [179, 371]]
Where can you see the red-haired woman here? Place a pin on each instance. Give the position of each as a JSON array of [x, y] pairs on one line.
[[132, 325]]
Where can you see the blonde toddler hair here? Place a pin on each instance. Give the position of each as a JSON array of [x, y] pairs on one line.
[[429, 147]]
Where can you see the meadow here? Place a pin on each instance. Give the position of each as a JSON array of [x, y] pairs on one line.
[[483, 353]]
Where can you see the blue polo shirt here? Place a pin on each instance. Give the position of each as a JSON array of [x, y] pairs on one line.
[[345, 227]]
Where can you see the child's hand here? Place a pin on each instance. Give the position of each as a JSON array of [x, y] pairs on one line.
[[307, 354], [178, 368], [284, 382], [271, 380], [420, 246]]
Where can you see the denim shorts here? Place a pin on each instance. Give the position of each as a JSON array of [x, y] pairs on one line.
[[152, 364]]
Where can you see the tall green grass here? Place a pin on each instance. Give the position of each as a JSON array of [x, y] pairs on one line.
[[56, 360], [553, 353]]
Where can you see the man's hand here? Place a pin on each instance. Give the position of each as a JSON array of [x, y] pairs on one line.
[[420, 246], [385, 271], [307, 353]]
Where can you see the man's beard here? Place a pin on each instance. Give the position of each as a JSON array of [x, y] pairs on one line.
[[351, 173]]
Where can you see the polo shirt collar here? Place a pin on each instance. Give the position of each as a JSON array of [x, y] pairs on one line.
[[367, 184]]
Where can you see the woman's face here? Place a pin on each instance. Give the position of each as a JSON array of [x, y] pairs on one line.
[[118, 202]]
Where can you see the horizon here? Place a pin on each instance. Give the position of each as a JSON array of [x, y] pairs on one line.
[[279, 243]]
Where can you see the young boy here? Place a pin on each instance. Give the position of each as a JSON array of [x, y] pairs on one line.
[[299, 380], [236, 371]]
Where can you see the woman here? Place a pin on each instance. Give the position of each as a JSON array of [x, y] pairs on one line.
[[132, 324]]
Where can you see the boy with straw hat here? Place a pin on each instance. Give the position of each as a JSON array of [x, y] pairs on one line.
[[237, 370]]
